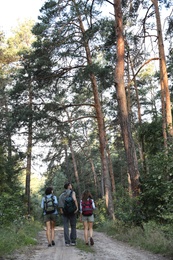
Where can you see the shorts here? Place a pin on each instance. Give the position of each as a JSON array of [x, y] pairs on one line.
[[88, 218], [50, 217]]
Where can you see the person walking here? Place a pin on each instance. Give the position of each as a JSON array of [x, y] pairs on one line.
[[87, 206], [49, 205], [69, 217]]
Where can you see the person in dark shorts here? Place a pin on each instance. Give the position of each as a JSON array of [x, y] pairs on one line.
[[50, 214]]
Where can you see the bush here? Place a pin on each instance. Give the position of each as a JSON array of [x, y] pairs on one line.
[[18, 235], [12, 208]]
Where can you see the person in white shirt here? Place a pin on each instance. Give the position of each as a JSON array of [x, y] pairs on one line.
[[87, 206]]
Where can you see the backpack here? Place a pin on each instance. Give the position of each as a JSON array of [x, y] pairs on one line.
[[69, 205], [49, 205], [87, 208]]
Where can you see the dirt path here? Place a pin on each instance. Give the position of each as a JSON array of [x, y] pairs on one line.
[[105, 249]]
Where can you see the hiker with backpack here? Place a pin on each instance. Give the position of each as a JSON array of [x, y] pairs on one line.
[[68, 208], [87, 206], [49, 205]]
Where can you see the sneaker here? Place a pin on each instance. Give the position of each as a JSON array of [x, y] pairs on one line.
[[49, 245], [91, 241], [53, 243], [67, 244], [73, 244]]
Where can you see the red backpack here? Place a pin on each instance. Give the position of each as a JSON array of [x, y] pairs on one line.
[[87, 209]]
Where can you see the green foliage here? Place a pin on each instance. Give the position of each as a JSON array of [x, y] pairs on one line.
[[11, 208], [152, 134], [127, 209], [16, 235], [100, 213]]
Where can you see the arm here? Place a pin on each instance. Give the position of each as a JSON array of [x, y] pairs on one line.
[[42, 203], [80, 210], [93, 204], [75, 200]]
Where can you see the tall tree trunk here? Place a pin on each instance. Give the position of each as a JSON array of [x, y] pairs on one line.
[[142, 146], [122, 102], [29, 155], [166, 103], [75, 168], [88, 155], [101, 128]]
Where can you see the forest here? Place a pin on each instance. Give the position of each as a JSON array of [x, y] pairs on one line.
[[86, 96]]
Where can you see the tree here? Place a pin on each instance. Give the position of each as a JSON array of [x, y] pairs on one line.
[[122, 102], [165, 94], [74, 30]]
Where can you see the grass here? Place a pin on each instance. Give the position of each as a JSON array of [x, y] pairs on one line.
[[81, 245], [16, 236], [151, 238]]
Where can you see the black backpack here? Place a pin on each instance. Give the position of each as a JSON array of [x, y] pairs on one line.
[[49, 205], [69, 205]]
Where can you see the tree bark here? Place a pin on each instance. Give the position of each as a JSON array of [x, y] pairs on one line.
[[29, 155], [122, 102], [165, 93]]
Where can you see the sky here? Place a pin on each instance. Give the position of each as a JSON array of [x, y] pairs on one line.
[[14, 11]]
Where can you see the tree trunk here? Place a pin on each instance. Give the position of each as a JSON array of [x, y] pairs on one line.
[[75, 168], [122, 102], [166, 103], [142, 146], [101, 129], [29, 155]]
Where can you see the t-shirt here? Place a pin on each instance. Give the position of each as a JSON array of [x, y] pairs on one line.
[[62, 197]]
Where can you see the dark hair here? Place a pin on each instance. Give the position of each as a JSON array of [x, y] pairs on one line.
[[48, 190], [86, 194], [66, 185]]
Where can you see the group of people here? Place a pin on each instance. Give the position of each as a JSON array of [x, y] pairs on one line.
[[85, 207]]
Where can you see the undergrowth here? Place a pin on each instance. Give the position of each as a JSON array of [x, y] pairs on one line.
[[152, 237], [18, 235], [81, 245]]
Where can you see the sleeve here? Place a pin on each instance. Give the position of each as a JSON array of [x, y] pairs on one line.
[[55, 200], [93, 204], [61, 204], [80, 206], [42, 203]]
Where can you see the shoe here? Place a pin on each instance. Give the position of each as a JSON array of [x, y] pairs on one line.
[[73, 244], [53, 243], [87, 244], [91, 241], [49, 245], [67, 244]]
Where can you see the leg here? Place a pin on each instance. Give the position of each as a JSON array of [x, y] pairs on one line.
[[52, 231], [90, 224], [48, 232], [66, 229], [85, 224], [73, 228]]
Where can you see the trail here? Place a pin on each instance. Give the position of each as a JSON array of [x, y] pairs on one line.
[[105, 248]]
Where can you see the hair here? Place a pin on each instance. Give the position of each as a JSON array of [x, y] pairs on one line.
[[86, 194], [66, 185], [48, 190]]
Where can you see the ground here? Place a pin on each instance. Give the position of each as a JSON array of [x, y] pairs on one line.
[[105, 248]]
